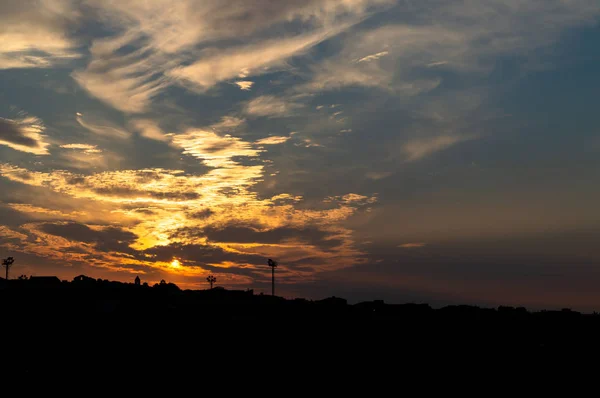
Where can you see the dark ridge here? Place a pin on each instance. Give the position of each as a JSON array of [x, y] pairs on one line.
[[88, 322]]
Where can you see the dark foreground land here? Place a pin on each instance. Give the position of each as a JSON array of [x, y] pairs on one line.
[[90, 326]]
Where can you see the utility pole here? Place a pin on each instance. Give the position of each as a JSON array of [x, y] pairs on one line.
[[8, 262], [273, 265]]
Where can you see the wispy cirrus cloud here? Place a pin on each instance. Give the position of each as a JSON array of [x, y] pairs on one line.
[[255, 59], [149, 129], [127, 82], [35, 34], [85, 148], [271, 106], [397, 52], [373, 57], [101, 126], [227, 124], [87, 156], [420, 148], [172, 47]]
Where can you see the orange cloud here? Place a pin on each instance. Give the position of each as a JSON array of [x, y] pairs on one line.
[[165, 208], [412, 245]]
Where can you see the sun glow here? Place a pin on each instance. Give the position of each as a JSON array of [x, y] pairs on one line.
[[175, 263]]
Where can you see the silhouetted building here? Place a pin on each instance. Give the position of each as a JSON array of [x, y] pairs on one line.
[[333, 301], [84, 278], [137, 281], [44, 281]]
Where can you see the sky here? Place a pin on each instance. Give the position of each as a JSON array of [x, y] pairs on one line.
[[438, 151]]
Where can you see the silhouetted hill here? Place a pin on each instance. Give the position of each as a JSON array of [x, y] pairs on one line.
[[91, 321]]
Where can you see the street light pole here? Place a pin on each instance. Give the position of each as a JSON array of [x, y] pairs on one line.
[[273, 265]]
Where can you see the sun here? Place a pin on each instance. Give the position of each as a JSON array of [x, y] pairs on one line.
[[175, 263]]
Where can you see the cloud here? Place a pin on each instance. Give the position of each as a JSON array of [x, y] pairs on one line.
[[437, 63], [187, 23], [353, 199], [213, 149], [378, 175], [273, 140], [373, 57], [85, 161], [412, 82], [244, 85], [466, 36], [404, 45], [412, 245], [221, 65], [228, 123], [308, 143], [34, 34], [270, 106], [167, 209], [85, 156], [105, 238], [235, 234], [126, 82], [85, 148], [202, 214], [202, 255], [334, 75], [152, 49], [420, 148], [24, 135], [124, 186], [149, 129], [101, 126]]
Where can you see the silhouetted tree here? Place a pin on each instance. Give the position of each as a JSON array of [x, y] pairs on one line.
[[8, 262], [23, 277], [211, 279], [273, 265]]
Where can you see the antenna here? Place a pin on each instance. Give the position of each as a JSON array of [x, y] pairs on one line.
[[273, 265]]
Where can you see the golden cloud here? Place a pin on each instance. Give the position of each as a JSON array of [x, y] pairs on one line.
[[273, 140]]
